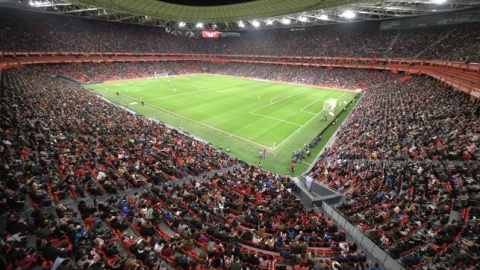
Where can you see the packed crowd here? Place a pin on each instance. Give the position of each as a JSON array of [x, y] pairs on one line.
[[424, 188], [21, 31], [458, 45], [113, 190], [407, 163], [334, 78], [100, 72], [83, 134]]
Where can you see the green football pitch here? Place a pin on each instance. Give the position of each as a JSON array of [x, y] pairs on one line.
[[244, 115]]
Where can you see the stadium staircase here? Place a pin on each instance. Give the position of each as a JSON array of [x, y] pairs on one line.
[[253, 72], [319, 78], [174, 71], [390, 46], [67, 79], [418, 55], [87, 73], [351, 81]]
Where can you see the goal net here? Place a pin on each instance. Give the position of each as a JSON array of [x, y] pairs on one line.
[[329, 106], [157, 75], [342, 101]]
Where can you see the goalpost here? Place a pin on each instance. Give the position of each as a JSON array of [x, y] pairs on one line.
[[329, 106], [342, 101], [160, 75]]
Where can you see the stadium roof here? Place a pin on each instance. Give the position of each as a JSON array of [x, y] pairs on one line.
[[241, 14]]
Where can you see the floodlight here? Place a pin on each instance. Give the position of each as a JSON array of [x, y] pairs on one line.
[[303, 19], [36, 3], [439, 2], [286, 21], [348, 14], [182, 24], [324, 17], [256, 23], [269, 22], [241, 24], [199, 25]]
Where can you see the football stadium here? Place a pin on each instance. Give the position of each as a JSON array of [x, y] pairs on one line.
[[240, 134]]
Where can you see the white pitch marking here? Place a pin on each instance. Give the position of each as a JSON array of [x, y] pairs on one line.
[[302, 126], [273, 102], [303, 109], [273, 118]]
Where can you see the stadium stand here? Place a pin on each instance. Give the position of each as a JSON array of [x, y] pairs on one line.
[[96, 187], [57, 33], [333, 78], [47, 162], [410, 178]]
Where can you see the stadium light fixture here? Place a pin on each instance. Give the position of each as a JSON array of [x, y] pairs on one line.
[[199, 25], [303, 19], [324, 17], [256, 23], [269, 22], [40, 3], [348, 14], [286, 21], [182, 24], [241, 24]]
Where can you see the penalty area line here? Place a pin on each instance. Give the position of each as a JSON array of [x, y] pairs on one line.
[[276, 101], [306, 123], [276, 119], [210, 127], [202, 124]]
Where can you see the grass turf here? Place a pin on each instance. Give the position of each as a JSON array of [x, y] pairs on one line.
[[243, 114]]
